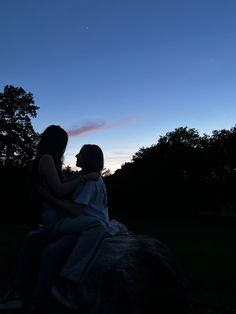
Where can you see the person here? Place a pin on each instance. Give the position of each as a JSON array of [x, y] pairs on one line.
[[46, 171], [93, 224]]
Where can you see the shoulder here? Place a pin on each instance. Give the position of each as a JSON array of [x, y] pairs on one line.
[[45, 159], [101, 181], [89, 187], [100, 185], [45, 162]]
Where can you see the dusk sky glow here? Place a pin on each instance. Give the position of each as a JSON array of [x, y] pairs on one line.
[[122, 73]]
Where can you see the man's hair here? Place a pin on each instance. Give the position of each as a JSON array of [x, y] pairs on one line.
[[92, 158]]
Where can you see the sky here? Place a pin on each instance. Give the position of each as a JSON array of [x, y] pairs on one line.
[[120, 74]]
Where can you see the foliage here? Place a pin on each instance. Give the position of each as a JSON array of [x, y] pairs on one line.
[[68, 171], [106, 172], [17, 136], [183, 174]]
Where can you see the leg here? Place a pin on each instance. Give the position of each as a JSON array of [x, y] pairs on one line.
[[85, 250], [25, 269], [51, 262], [92, 233], [76, 225], [27, 259]]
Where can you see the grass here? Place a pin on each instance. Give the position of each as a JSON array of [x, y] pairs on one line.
[[205, 253], [204, 250]]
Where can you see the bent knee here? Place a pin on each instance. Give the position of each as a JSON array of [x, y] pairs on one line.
[[96, 223], [33, 237], [59, 248]]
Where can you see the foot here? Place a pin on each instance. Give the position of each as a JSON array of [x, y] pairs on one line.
[[11, 301], [64, 296], [33, 310]]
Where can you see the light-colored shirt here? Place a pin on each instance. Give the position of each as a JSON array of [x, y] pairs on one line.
[[93, 195]]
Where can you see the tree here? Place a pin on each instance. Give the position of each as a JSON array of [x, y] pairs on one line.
[[106, 172], [68, 171], [177, 176], [17, 136], [184, 136]]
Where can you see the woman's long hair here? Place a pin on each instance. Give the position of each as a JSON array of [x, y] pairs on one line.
[[53, 141]]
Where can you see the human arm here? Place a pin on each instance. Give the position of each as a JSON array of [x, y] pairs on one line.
[[89, 176], [69, 206], [47, 170], [73, 176]]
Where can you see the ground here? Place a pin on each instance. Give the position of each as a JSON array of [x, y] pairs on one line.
[[204, 249]]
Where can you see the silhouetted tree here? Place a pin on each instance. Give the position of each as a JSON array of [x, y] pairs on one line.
[[68, 171], [17, 136], [183, 173], [106, 172]]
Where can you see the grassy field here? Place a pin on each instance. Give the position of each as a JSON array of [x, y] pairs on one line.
[[205, 251], [206, 256]]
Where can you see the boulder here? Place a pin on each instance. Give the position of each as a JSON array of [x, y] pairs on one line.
[[133, 274]]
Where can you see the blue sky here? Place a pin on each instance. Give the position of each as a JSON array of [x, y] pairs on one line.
[[130, 70]]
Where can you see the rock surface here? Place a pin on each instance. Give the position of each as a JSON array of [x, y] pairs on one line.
[[133, 274]]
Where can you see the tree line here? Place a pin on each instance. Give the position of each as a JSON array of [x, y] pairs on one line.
[[182, 175]]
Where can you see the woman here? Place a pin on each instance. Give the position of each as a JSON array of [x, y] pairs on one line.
[[47, 172], [93, 223]]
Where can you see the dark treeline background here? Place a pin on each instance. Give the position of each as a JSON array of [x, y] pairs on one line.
[[181, 176]]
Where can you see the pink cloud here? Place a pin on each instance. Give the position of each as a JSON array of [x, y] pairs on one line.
[[97, 126], [89, 127]]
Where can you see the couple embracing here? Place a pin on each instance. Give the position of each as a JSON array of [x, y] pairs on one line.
[[74, 223]]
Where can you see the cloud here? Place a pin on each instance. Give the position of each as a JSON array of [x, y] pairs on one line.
[[97, 126], [88, 127]]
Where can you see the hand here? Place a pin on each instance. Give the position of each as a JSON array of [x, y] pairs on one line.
[[94, 176]]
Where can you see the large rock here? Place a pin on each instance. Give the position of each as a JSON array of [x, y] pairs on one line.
[[133, 274]]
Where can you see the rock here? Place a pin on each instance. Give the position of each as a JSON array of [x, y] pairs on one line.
[[133, 274]]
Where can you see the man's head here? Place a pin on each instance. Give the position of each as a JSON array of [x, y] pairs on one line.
[[90, 158]]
